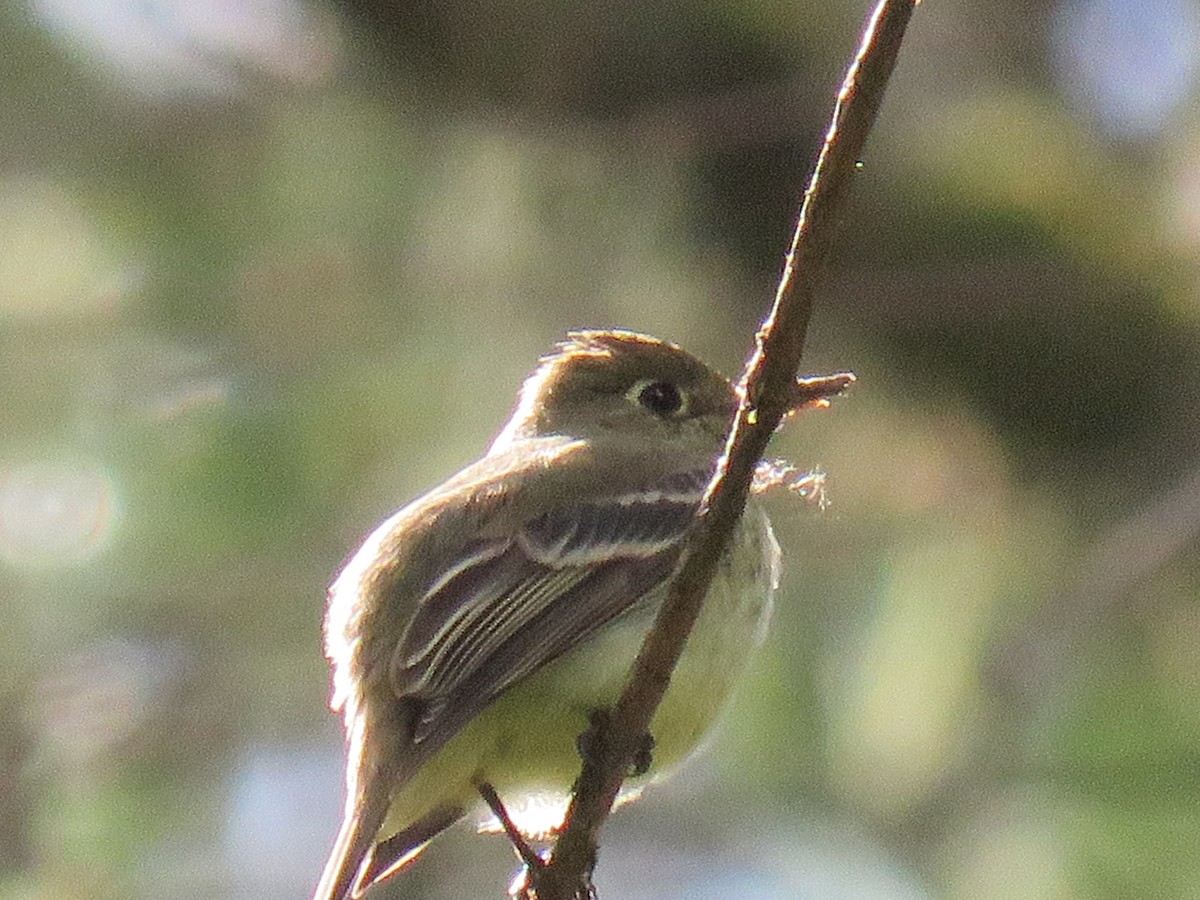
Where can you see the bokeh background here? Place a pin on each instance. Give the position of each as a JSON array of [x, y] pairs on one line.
[[269, 269]]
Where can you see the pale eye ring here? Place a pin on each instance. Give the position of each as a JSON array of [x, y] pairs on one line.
[[661, 397]]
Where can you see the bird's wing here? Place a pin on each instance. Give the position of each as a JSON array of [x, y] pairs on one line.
[[513, 604]]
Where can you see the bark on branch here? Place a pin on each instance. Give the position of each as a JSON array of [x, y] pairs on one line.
[[769, 390]]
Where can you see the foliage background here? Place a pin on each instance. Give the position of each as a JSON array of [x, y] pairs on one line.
[[267, 270]]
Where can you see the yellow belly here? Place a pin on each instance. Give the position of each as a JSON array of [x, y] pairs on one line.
[[524, 744]]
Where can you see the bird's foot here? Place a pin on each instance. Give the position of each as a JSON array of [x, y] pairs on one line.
[[591, 746]]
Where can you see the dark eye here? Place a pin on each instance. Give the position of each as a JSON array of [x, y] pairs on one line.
[[661, 397]]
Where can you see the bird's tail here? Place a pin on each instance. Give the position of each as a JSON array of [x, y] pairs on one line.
[[390, 856], [350, 858], [358, 861]]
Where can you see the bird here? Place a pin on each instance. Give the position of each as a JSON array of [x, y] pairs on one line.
[[477, 629]]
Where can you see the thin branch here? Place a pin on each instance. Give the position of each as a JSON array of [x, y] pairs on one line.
[[528, 855], [767, 388], [815, 391]]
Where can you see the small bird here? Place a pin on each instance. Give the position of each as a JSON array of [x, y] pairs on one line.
[[476, 631]]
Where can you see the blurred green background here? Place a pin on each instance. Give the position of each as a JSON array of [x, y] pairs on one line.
[[268, 270]]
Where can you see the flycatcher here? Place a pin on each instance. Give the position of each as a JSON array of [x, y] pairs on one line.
[[477, 629]]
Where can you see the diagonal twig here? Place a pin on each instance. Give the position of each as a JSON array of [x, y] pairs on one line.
[[529, 857], [767, 387]]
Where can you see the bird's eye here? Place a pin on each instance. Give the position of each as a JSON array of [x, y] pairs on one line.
[[663, 398]]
